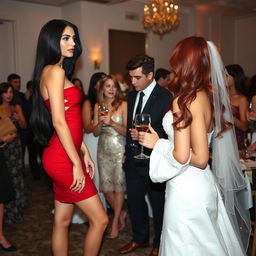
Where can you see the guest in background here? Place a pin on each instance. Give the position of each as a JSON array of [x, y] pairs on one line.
[[20, 97], [150, 98], [6, 192], [89, 139], [15, 81], [123, 85], [238, 101], [77, 82], [162, 77], [252, 109], [111, 129], [13, 155], [87, 115]]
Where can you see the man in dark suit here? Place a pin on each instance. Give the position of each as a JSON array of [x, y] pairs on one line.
[[148, 97]]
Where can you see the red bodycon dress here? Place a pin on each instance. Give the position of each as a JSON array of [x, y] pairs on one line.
[[57, 163]]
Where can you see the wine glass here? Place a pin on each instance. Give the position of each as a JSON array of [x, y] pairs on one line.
[[141, 122], [103, 110], [133, 143]]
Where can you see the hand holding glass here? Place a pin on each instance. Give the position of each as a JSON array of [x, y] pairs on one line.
[[103, 110], [141, 122]]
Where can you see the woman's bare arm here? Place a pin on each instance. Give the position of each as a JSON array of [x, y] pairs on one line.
[[181, 151], [242, 123], [20, 117], [87, 117], [201, 115], [96, 122]]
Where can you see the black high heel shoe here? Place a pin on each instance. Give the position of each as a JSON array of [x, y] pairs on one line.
[[11, 248]]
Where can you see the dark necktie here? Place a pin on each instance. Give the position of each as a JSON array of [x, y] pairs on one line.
[[138, 109]]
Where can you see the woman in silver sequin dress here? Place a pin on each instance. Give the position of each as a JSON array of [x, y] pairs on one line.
[[110, 126]]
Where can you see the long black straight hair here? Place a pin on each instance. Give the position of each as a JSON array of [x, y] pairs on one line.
[[49, 53]]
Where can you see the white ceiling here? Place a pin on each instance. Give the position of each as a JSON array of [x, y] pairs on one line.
[[240, 6]]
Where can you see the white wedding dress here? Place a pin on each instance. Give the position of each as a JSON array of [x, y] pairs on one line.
[[195, 219]]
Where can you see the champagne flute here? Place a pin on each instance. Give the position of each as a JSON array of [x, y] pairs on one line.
[[141, 124]]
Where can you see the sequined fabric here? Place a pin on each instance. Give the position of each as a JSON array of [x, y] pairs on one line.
[[110, 153]]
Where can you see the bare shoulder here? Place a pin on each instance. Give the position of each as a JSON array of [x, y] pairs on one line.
[[201, 101], [243, 99], [53, 71], [124, 104]]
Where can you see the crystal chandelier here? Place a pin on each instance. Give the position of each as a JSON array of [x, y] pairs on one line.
[[161, 17]]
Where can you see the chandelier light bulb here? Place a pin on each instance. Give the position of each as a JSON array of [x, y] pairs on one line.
[[161, 16]]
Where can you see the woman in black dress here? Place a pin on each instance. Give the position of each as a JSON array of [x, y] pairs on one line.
[[6, 192]]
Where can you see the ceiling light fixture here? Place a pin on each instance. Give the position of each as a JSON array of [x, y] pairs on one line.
[[161, 16]]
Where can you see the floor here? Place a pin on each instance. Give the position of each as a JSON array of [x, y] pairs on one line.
[[32, 236]]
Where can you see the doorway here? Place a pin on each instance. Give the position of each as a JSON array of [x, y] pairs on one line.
[[124, 45], [7, 50]]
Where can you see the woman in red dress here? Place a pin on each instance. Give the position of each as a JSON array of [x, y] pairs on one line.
[[57, 124]]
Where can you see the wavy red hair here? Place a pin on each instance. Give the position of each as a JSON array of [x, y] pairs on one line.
[[191, 63]]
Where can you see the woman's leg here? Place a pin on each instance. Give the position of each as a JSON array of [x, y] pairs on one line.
[[62, 217], [109, 195], [116, 200], [3, 241], [98, 221]]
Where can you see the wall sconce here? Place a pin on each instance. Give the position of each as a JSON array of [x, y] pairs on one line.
[[96, 64], [96, 60]]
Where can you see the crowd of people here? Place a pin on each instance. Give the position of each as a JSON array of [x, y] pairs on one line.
[[197, 106]]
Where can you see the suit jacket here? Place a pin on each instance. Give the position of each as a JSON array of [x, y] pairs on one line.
[[157, 105]]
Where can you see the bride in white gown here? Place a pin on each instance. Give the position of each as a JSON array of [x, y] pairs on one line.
[[196, 221]]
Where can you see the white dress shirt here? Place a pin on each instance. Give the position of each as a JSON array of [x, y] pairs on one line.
[[147, 91]]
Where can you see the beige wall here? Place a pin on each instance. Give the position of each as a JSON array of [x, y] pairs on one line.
[[245, 44], [28, 19], [234, 37]]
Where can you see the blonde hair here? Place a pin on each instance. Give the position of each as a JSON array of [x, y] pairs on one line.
[[101, 98]]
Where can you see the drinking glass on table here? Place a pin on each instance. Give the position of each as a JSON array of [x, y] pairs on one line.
[[141, 123]]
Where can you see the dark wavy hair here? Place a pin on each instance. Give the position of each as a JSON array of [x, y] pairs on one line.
[[144, 61], [3, 89], [92, 92], [49, 53], [161, 72], [237, 72], [191, 63], [118, 99]]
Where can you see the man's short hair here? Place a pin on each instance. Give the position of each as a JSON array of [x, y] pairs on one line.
[[147, 63], [12, 77], [161, 72]]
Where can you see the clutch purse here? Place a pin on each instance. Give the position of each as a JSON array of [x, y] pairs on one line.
[[6, 125]]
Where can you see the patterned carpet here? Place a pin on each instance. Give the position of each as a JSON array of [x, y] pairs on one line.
[[32, 236]]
